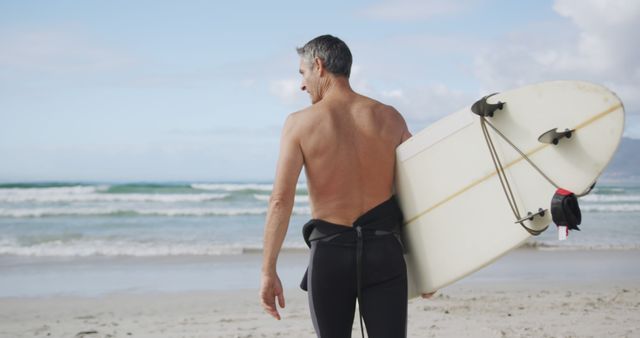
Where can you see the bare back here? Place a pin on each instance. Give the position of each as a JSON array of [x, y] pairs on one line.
[[348, 144]]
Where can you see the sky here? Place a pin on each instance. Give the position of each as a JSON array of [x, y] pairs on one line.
[[198, 90]]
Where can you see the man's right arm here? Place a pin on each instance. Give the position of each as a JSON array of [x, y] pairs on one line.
[[290, 164]]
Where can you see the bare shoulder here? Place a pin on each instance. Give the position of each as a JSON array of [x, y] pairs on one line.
[[387, 112], [389, 117], [297, 122], [375, 105], [392, 113]]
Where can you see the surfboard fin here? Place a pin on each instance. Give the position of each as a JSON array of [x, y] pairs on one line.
[[553, 136], [484, 108], [530, 215]]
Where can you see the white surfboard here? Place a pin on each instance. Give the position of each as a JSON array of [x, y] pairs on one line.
[[457, 216]]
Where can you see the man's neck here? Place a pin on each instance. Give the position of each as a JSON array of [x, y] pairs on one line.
[[337, 86]]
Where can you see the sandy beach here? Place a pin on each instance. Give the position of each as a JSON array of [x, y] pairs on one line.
[[595, 310], [528, 293]]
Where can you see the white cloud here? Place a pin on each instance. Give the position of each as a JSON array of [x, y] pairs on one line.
[[393, 94], [425, 104], [426, 76], [420, 105], [612, 13], [597, 43], [57, 52], [359, 82], [287, 90], [406, 10], [608, 33]]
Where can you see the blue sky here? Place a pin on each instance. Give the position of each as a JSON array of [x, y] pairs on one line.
[[198, 90]]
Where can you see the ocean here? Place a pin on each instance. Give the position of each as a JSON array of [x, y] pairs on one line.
[[204, 219], [91, 239]]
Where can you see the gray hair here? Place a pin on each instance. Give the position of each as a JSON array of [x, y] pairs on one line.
[[334, 53]]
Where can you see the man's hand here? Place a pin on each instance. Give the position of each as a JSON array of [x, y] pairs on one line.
[[269, 290], [428, 295]]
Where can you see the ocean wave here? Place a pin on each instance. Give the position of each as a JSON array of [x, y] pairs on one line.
[[607, 190], [573, 246], [130, 188], [101, 197], [610, 198], [298, 198], [41, 185], [610, 207], [98, 247], [232, 186], [239, 186], [264, 198], [117, 248], [112, 211], [136, 248], [146, 188], [64, 190]]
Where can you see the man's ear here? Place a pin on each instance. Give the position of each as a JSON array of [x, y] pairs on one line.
[[319, 65]]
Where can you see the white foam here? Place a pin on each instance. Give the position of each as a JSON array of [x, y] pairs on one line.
[[237, 186], [264, 198], [572, 246], [610, 207], [598, 190], [610, 198], [106, 211], [118, 248], [232, 186], [95, 197], [111, 248], [71, 190], [298, 198]]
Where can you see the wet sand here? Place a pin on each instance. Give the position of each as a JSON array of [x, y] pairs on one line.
[[528, 293]]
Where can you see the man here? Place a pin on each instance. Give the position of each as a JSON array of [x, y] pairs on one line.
[[346, 143]]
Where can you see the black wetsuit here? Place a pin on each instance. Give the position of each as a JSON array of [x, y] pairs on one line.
[[365, 263]]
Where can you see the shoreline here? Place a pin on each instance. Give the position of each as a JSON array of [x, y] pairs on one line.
[[33, 277], [527, 293], [586, 309]]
